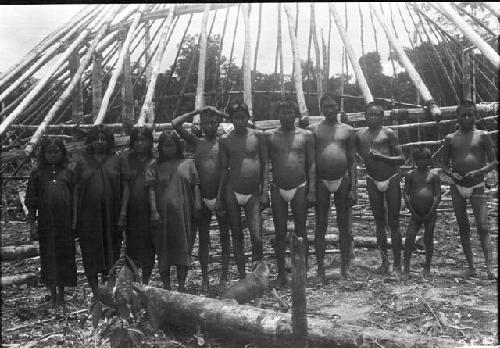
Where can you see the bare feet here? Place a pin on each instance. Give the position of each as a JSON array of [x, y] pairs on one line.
[[281, 282], [491, 275], [471, 272], [397, 269], [181, 288], [321, 275], [204, 287]]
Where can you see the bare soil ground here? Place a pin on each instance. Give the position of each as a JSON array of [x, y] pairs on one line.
[[447, 306]]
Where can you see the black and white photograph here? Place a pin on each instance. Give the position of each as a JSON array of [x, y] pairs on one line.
[[226, 175]]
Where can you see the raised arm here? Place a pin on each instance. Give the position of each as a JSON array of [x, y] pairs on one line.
[[311, 167], [178, 123]]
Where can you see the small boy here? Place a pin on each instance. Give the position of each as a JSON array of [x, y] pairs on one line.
[[422, 194]]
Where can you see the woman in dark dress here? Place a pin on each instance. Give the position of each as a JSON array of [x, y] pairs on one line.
[[174, 197], [102, 196], [49, 192], [140, 246]]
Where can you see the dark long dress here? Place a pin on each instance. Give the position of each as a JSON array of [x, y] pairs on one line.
[[49, 191], [99, 204], [174, 183], [140, 247]]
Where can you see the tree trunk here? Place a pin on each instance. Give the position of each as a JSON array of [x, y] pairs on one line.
[[19, 252], [247, 324]]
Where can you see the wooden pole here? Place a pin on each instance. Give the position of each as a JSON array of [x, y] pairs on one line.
[[147, 110], [118, 71], [199, 101], [77, 97], [96, 85], [492, 9], [247, 64], [363, 85], [43, 82], [296, 61], [73, 84], [127, 92], [317, 53], [410, 69], [280, 44], [299, 302], [41, 48], [257, 44], [466, 71], [147, 49], [469, 33]]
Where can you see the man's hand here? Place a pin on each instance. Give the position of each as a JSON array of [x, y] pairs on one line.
[[375, 154], [219, 208], [34, 231], [472, 174], [456, 176], [304, 122], [155, 218], [197, 213], [311, 198]]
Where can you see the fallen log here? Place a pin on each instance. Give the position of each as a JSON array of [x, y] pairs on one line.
[[27, 278], [19, 252], [249, 324]]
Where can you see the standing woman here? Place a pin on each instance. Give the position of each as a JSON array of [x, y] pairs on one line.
[[102, 196], [174, 199], [49, 193], [140, 246]]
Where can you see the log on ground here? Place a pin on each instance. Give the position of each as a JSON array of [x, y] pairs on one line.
[[250, 324], [19, 252], [27, 278]]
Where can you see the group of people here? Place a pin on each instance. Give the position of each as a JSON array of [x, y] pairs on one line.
[[163, 201]]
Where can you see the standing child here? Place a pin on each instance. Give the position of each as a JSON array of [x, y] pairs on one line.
[[174, 197], [207, 161], [472, 155], [140, 247], [102, 198], [422, 194], [49, 193]]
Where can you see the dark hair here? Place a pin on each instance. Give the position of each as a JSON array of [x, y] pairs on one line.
[[145, 132], [238, 106], [467, 104], [374, 104], [177, 141], [288, 103], [94, 133], [327, 96], [44, 144], [421, 153]]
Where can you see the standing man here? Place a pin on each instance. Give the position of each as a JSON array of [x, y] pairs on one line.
[[379, 148], [244, 181], [472, 155], [207, 161], [335, 144], [291, 151]]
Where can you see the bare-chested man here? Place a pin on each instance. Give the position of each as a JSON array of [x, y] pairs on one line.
[[379, 148], [207, 161], [291, 152], [244, 179], [471, 153], [335, 144]]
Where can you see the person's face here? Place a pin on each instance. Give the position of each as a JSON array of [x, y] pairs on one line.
[[423, 162], [53, 154], [286, 115], [240, 120], [100, 144], [169, 148], [374, 117], [209, 124], [141, 145], [466, 118], [330, 109]]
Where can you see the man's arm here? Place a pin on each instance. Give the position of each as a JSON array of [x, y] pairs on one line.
[[445, 159], [264, 157], [406, 195], [223, 170], [178, 123], [311, 166], [398, 158], [489, 149], [436, 186]]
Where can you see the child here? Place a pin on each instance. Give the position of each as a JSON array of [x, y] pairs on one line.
[[291, 151], [422, 194], [244, 179], [174, 197], [49, 192], [472, 155], [207, 161], [379, 148], [140, 246], [102, 198]]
